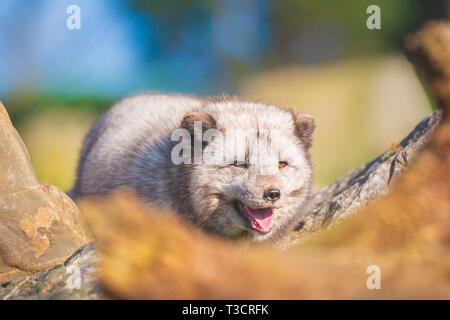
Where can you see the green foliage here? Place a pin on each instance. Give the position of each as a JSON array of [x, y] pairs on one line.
[[348, 17], [23, 105]]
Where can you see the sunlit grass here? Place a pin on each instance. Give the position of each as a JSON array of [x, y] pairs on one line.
[[54, 140]]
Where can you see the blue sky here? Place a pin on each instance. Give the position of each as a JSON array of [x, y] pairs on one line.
[[118, 50]]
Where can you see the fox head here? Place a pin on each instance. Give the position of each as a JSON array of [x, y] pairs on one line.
[[247, 168]]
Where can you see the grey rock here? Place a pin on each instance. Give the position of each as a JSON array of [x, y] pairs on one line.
[[75, 279]]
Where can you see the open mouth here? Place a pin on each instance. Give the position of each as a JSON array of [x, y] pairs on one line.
[[260, 219]]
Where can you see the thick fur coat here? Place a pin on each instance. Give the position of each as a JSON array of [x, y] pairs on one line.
[[257, 188]]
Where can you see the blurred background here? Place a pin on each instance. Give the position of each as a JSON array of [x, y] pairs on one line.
[[315, 56]]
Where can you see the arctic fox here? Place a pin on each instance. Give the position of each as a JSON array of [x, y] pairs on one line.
[[256, 189]]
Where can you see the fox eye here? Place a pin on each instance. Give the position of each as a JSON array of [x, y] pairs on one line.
[[241, 164], [282, 164]]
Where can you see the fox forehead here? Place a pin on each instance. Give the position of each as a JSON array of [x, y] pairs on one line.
[[255, 128], [249, 115]]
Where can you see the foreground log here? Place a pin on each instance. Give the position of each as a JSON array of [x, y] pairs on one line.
[[149, 254], [40, 226]]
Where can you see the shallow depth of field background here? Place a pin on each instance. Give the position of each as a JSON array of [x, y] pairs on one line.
[[315, 56]]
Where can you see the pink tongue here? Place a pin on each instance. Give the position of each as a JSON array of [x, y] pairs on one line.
[[261, 219]]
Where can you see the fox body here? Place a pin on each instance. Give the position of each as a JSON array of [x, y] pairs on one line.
[[257, 188]]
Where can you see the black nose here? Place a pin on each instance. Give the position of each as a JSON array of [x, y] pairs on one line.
[[272, 194]]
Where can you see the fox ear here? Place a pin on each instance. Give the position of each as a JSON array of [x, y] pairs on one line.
[[304, 127], [206, 121]]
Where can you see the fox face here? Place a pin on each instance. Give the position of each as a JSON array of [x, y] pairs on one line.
[[254, 178]]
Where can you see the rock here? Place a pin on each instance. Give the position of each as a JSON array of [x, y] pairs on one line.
[[40, 226], [75, 279]]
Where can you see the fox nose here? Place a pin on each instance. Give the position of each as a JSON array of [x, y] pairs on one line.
[[272, 194]]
